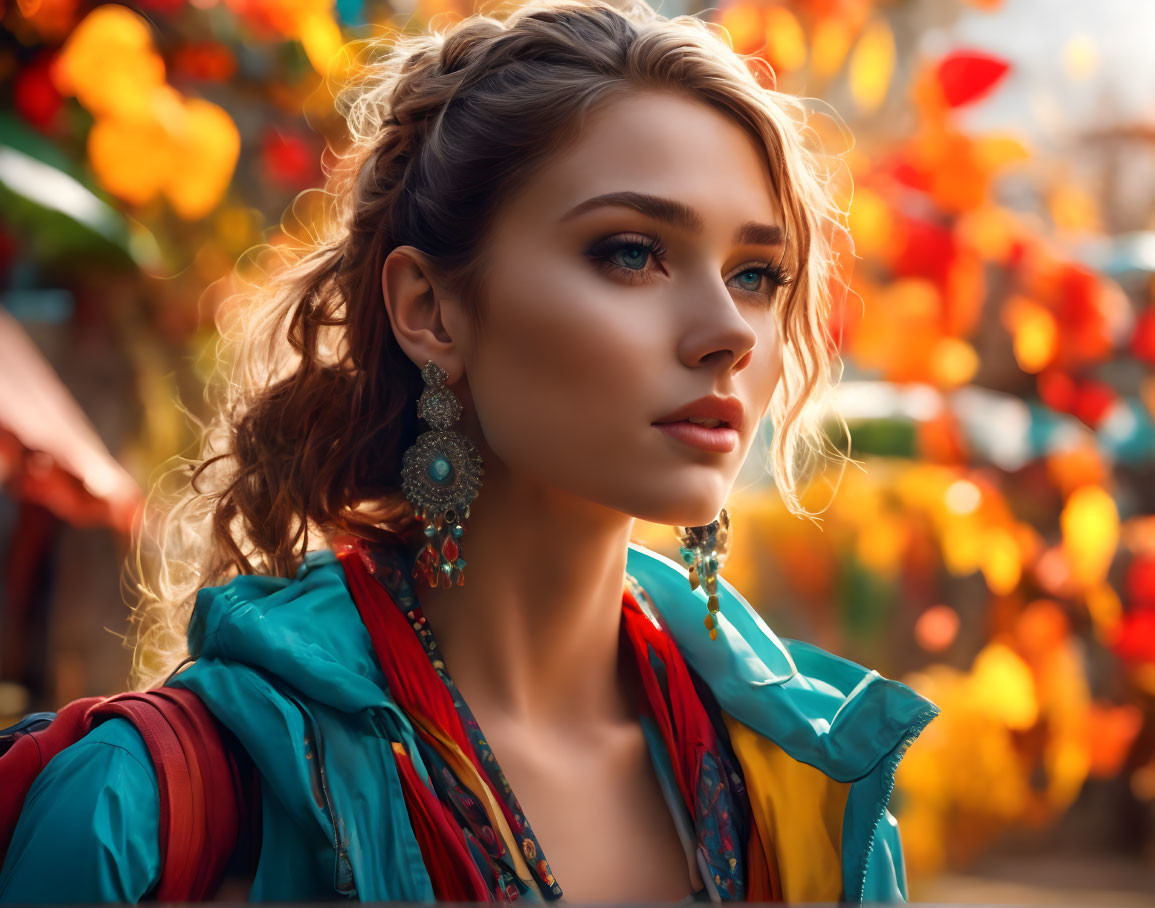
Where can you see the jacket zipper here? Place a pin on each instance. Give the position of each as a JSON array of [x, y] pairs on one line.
[[342, 868]]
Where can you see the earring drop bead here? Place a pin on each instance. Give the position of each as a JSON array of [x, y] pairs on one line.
[[704, 550]]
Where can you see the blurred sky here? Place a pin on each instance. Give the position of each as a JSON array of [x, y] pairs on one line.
[[1079, 63]]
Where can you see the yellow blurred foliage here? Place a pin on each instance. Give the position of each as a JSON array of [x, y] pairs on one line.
[[961, 538], [187, 153], [1002, 565], [872, 66], [320, 36], [206, 147], [963, 776], [830, 45], [132, 158], [1019, 710], [1090, 528], [785, 43], [1034, 333], [744, 26], [870, 223], [110, 64], [881, 549], [953, 362], [147, 138], [996, 152], [1001, 685]]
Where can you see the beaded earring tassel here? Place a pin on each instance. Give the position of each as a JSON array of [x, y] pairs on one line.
[[704, 550]]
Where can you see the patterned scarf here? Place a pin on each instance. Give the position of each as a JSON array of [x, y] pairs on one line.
[[475, 840]]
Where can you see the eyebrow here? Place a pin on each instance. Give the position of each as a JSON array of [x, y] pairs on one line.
[[678, 214]]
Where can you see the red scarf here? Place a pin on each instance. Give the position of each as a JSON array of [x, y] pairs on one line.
[[419, 691]]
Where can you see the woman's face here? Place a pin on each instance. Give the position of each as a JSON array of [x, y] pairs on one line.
[[634, 275]]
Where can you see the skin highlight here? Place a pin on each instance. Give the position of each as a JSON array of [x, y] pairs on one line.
[[588, 338]]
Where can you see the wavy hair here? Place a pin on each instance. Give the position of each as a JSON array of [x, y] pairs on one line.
[[315, 401]]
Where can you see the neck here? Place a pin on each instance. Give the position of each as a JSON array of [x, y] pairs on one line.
[[531, 638]]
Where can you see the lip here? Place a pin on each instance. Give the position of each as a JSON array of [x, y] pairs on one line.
[[721, 440], [728, 410]]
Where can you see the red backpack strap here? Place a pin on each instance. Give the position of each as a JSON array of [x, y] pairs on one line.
[[29, 754], [200, 789]]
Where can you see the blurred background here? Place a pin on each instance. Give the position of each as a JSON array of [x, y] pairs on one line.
[[994, 546]]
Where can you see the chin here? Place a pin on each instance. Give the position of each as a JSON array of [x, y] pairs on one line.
[[682, 513], [687, 498], [698, 518]]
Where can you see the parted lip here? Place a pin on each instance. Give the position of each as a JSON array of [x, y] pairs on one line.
[[727, 409]]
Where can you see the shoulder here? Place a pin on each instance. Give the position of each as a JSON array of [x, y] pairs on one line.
[[95, 809], [111, 762]]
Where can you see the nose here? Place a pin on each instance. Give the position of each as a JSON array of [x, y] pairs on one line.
[[716, 333]]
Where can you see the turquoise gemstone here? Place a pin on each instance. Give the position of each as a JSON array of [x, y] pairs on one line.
[[440, 469], [457, 531], [687, 555]]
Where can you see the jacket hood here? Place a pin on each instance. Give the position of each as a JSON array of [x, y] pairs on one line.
[[304, 631]]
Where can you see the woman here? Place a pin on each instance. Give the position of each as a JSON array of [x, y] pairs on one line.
[[591, 252]]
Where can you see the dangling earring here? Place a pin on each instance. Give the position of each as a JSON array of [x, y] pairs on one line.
[[440, 475], [705, 549]]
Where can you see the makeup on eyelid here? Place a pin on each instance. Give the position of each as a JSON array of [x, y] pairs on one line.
[[603, 250]]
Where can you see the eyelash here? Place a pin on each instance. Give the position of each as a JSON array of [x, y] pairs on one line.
[[602, 251]]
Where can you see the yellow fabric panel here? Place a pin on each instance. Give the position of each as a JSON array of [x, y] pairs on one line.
[[798, 810]]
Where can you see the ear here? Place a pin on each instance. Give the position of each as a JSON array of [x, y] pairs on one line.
[[420, 313]]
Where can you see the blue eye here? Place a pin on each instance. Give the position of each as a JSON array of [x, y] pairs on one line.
[[757, 277], [776, 275], [629, 254], [633, 254]]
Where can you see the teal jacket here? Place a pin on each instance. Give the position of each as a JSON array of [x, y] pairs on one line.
[[288, 666]]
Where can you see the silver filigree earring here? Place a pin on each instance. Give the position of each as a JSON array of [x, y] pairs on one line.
[[705, 549], [440, 475]]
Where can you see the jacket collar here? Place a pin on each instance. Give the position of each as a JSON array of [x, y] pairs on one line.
[[821, 709]]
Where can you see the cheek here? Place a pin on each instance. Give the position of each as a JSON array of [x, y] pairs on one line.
[[560, 369]]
